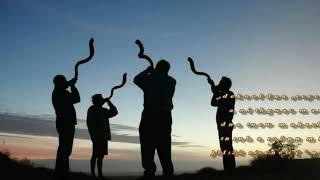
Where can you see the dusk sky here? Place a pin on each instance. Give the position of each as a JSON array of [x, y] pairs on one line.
[[267, 46]]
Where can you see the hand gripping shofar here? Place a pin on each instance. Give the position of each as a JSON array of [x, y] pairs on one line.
[[195, 71], [124, 80], [141, 53], [91, 48]]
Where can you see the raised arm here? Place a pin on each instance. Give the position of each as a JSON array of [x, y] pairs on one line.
[[216, 100], [212, 85], [75, 96], [113, 110], [140, 79]]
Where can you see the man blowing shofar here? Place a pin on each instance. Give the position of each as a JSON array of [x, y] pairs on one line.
[[66, 119], [224, 99], [156, 120], [99, 130]]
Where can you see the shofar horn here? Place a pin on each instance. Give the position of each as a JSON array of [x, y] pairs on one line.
[[124, 80]]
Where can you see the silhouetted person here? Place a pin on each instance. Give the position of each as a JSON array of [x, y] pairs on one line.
[[224, 99], [99, 129], [156, 120], [66, 119]]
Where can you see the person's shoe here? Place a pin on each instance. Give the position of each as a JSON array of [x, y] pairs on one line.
[[101, 177], [93, 175]]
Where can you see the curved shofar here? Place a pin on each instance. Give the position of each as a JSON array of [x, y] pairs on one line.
[[141, 53], [124, 80], [195, 71], [91, 48]]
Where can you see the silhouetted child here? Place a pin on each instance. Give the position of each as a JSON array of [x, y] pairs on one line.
[[66, 120], [99, 129], [224, 99], [156, 120]]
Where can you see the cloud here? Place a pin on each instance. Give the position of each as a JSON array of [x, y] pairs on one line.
[[119, 127], [188, 145], [33, 125]]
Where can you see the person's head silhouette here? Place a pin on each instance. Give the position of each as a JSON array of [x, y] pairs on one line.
[[162, 66], [225, 84], [60, 82], [98, 100]]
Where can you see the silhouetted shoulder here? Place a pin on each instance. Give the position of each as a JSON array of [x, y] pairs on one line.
[[172, 80], [95, 109], [90, 109]]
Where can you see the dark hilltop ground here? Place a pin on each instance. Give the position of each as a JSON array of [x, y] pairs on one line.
[[298, 169]]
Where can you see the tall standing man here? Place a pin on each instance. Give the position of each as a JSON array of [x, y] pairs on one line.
[[224, 99], [63, 101], [156, 120]]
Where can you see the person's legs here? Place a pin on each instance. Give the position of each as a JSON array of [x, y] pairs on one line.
[[147, 154], [66, 135], [94, 157], [147, 145], [68, 146], [59, 158], [164, 143], [93, 164], [230, 159], [164, 153], [100, 163], [225, 139]]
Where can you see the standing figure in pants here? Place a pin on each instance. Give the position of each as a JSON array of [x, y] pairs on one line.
[[156, 120], [66, 119], [99, 130], [224, 99]]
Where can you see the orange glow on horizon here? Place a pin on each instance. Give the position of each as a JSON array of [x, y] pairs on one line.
[[44, 148]]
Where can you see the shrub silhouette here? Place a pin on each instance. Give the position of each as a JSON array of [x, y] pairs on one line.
[[277, 157]]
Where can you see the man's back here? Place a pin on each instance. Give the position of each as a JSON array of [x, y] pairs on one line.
[[62, 101], [98, 122], [225, 102], [156, 119], [158, 90]]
